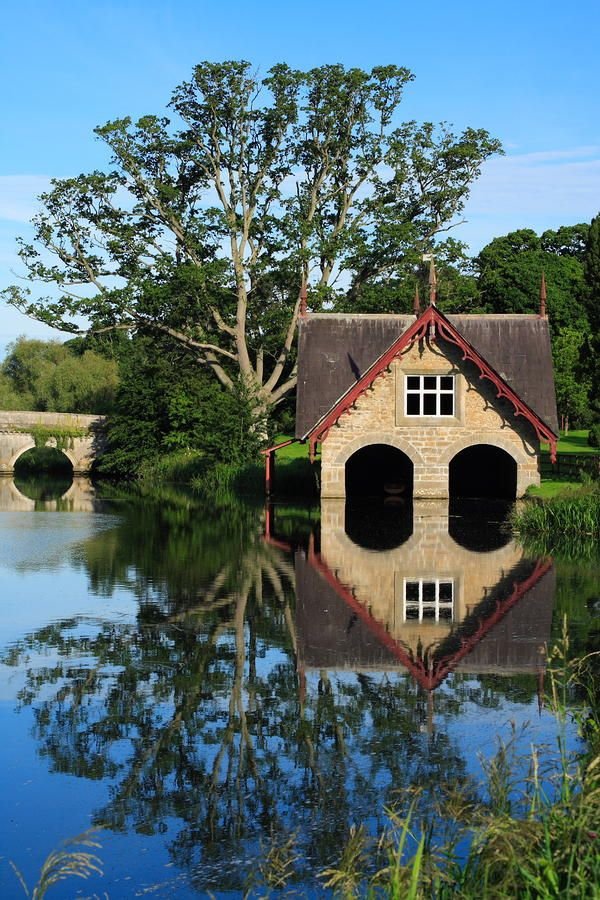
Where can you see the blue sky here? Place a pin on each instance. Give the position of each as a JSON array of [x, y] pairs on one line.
[[527, 71]]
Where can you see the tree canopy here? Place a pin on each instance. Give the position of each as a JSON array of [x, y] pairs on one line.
[[510, 270], [210, 219], [58, 377]]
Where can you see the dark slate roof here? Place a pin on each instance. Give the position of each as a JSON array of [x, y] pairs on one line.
[[329, 634], [517, 642], [518, 348], [334, 351]]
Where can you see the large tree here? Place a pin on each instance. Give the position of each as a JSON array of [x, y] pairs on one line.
[[510, 271], [209, 221], [591, 262]]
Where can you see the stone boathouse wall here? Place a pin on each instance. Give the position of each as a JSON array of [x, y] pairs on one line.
[[430, 442]]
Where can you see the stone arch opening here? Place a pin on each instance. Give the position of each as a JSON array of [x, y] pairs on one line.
[[42, 474], [483, 471], [379, 472], [33, 461], [378, 527]]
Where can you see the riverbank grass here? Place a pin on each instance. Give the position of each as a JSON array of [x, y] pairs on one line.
[[531, 846], [574, 442], [574, 511]]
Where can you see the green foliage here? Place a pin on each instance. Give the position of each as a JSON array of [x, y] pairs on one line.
[[510, 271], [571, 375], [207, 220], [62, 436], [569, 513], [57, 377], [173, 420], [592, 273], [457, 289], [594, 436], [592, 301]]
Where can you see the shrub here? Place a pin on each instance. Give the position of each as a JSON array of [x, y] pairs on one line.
[[594, 435]]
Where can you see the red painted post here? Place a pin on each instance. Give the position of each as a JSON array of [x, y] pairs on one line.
[[268, 472]]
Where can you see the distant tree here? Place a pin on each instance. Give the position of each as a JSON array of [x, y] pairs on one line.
[[251, 186], [56, 377], [510, 270], [567, 240], [572, 376], [592, 301], [457, 289]]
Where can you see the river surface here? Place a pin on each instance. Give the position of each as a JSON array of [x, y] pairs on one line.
[[217, 690]]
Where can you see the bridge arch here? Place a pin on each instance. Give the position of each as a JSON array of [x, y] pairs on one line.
[[18, 430], [377, 437], [31, 445]]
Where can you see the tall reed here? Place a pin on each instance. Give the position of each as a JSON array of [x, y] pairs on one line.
[[576, 513], [547, 847]]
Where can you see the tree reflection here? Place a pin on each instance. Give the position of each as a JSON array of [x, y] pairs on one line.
[[196, 716]]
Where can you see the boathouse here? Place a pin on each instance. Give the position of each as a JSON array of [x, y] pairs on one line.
[[426, 405]]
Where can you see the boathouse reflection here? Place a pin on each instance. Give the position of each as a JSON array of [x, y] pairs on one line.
[[429, 604]]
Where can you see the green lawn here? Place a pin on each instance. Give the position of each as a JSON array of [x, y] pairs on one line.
[[293, 451], [574, 442], [549, 488]]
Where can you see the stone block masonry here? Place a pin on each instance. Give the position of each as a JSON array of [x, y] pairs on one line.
[[17, 436], [431, 443]]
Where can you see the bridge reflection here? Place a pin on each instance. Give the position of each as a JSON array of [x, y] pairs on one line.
[[48, 496]]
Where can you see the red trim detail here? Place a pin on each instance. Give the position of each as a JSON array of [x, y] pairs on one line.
[[447, 332], [268, 454], [435, 321], [269, 450], [429, 673]]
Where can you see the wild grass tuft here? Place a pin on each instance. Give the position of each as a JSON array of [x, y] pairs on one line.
[[543, 845], [573, 513], [63, 864]]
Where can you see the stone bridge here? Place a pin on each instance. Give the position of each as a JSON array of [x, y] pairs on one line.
[[80, 438]]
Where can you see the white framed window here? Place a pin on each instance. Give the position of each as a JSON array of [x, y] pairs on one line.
[[429, 395], [428, 599]]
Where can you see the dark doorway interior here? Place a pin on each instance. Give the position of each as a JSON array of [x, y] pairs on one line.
[[483, 472], [381, 473], [378, 526]]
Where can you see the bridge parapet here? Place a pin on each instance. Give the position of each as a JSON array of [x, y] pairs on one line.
[[79, 437], [17, 420]]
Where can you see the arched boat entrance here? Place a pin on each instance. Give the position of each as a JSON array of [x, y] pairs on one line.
[[483, 472], [380, 472]]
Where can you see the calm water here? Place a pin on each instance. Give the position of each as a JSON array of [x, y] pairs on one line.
[[201, 685]]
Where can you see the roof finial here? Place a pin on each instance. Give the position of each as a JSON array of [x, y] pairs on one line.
[[428, 257], [543, 297], [303, 294], [417, 301]]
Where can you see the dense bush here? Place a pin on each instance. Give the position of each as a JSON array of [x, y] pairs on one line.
[[173, 418], [57, 377], [594, 435]]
